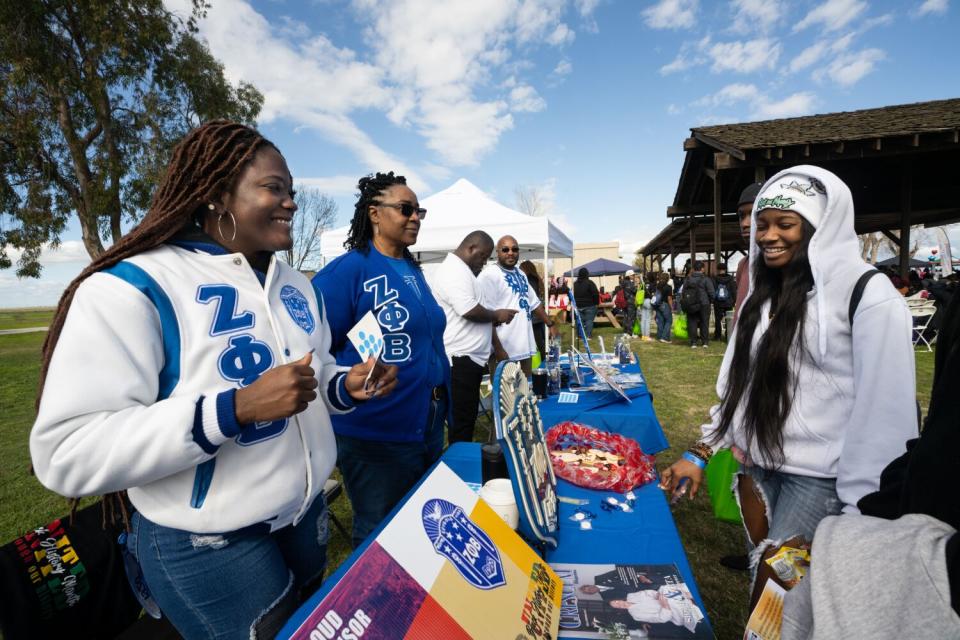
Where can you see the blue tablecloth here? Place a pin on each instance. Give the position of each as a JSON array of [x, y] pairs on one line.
[[645, 536], [607, 410]]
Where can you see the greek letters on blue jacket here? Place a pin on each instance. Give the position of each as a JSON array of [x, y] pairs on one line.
[[412, 327]]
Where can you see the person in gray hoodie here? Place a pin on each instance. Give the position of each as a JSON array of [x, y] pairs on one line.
[[816, 404]]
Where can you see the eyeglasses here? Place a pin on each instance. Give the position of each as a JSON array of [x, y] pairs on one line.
[[405, 208], [509, 249]]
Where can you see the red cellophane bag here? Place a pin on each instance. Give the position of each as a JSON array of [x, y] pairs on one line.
[[596, 459]]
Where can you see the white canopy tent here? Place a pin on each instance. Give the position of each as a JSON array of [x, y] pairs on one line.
[[459, 209]]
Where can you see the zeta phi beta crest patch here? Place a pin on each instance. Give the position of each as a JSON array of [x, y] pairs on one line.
[[463, 544], [298, 308]]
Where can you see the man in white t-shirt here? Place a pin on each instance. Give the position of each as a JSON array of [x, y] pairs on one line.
[[505, 286], [470, 336]]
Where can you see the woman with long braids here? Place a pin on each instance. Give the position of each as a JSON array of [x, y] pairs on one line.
[[816, 394], [383, 449], [183, 366]]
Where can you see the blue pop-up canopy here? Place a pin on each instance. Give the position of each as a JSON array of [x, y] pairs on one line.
[[601, 267]]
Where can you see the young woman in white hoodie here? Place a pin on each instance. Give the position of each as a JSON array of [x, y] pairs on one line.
[[814, 406]]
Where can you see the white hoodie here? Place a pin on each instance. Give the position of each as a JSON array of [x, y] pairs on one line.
[[854, 405]]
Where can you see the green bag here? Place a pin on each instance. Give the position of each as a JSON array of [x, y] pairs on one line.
[[680, 326], [720, 471]]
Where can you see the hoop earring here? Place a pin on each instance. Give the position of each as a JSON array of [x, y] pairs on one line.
[[233, 221]]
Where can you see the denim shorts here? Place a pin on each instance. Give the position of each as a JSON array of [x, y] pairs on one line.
[[794, 504], [238, 584]]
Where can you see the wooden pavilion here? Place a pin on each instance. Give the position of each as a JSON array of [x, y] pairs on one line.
[[902, 164]]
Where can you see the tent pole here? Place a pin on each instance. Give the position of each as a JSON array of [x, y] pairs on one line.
[[546, 294]]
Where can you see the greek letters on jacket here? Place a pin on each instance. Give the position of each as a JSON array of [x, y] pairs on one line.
[[144, 375], [412, 327]]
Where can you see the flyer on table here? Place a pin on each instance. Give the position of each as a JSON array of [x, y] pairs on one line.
[[446, 566], [628, 601]]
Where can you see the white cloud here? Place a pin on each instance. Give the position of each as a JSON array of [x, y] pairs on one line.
[[932, 7], [671, 14], [728, 95], [797, 104], [673, 110], [752, 16], [849, 68], [330, 185], [691, 54], [69, 251], [761, 106], [535, 19], [444, 89], [563, 68], [809, 56], [745, 57], [561, 35], [586, 7], [832, 14], [460, 46], [820, 50], [525, 98]]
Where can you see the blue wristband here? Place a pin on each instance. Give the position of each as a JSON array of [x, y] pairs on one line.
[[694, 459]]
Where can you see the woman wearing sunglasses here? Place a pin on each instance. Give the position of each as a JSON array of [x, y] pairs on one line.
[[385, 447]]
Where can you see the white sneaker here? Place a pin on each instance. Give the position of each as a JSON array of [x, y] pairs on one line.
[[693, 346]]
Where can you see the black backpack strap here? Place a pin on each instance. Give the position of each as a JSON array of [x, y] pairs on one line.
[[858, 293]]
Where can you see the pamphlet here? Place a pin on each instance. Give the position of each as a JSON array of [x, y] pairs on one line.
[[620, 601], [767, 618]]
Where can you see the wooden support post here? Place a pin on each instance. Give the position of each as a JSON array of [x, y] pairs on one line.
[[717, 214], [759, 174], [906, 197], [673, 258], [693, 239]]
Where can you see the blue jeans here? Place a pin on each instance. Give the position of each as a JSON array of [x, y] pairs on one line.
[[377, 474], [645, 312], [239, 584], [587, 314], [664, 322], [795, 505]]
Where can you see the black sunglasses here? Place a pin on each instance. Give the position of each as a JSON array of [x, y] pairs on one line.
[[509, 249], [405, 208]]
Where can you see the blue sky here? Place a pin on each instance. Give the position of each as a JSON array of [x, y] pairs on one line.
[[587, 100]]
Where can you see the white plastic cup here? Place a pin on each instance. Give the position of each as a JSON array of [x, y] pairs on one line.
[[498, 494]]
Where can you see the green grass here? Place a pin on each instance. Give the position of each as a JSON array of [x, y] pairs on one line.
[[681, 381], [24, 318]]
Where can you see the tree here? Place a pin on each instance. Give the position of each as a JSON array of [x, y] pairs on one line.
[[94, 96], [315, 213], [530, 201]]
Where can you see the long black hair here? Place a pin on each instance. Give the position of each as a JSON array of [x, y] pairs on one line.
[[766, 378], [371, 188]]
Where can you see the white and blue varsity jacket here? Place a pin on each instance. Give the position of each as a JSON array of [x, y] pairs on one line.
[[140, 391]]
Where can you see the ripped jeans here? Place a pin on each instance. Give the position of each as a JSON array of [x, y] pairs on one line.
[[240, 584], [795, 505]]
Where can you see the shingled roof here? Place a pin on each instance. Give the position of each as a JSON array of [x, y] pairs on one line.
[[898, 120]]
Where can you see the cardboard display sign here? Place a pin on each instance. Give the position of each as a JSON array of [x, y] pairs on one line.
[[520, 432], [446, 566]]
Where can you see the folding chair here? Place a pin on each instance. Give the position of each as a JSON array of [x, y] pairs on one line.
[[921, 325], [332, 489]]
